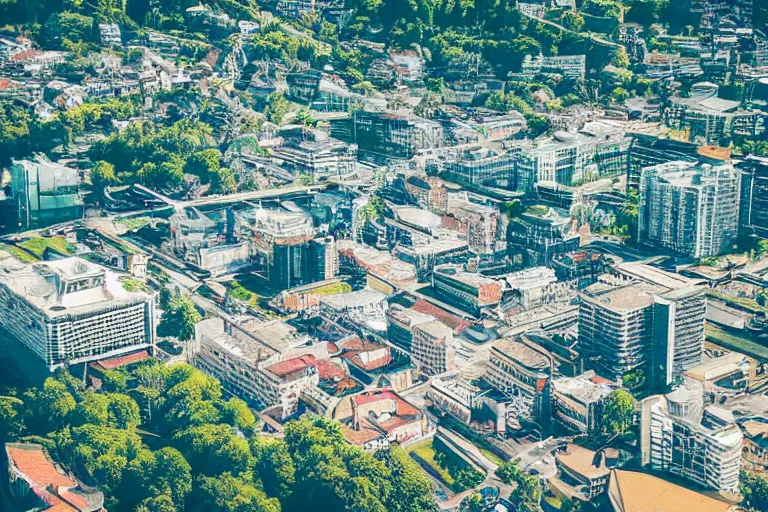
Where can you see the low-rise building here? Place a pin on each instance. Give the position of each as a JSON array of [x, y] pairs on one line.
[[631, 490], [577, 402], [314, 153], [71, 310], [469, 291], [37, 481], [366, 308], [400, 324], [523, 374], [723, 377], [570, 66], [754, 455], [583, 470], [374, 419], [454, 395]]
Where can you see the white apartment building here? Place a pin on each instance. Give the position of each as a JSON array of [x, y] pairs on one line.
[[702, 444], [432, 348], [689, 208], [72, 310]]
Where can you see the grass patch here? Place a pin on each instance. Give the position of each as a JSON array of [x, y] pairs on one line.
[[333, 289], [134, 223], [735, 342], [132, 285], [20, 254], [426, 452], [238, 291], [743, 303], [38, 245], [492, 456]]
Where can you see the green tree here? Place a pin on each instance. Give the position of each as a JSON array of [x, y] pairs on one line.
[[179, 319], [47, 409], [754, 488], [274, 466], [11, 423], [160, 503], [114, 381], [527, 493], [102, 175], [228, 493], [277, 107], [213, 449], [573, 20], [411, 488], [223, 181], [204, 164], [618, 414]]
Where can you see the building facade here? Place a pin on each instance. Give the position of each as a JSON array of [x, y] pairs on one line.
[[432, 348], [72, 310], [690, 209]]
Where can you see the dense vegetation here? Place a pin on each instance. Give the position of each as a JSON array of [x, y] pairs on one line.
[[164, 439]]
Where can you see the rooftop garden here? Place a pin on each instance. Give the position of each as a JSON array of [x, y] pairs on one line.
[[38, 245]]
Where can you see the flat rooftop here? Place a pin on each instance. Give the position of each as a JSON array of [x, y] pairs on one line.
[[521, 353]]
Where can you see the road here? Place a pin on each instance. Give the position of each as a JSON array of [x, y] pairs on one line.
[[253, 195], [588, 35]]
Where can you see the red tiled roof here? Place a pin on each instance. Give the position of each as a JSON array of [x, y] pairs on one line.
[[449, 319], [75, 499], [354, 347], [25, 55], [601, 380], [403, 408], [32, 461], [118, 362], [293, 365], [329, 370], [325, 368]]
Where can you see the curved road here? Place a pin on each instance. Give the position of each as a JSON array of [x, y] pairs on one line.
[[588, 35]]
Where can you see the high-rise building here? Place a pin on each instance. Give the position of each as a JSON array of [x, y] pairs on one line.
[[688, 208], [643, 319], [648, 150], [281, 247], [72, 310], [45, 193], [754, 196], [680, 436]]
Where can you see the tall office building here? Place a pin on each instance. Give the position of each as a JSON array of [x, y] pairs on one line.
[[281, 246], [688, 208], [680, 436], [72, 310], [46, 193], [754, 196], [649, 150], [643, 318]]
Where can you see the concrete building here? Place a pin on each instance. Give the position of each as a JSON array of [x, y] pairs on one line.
[[432, 348], [714, 120], [648, 151], [754, 455], [374, 419], [314, 153], [454, 395], [400, 324], [477, 165], [471, 292], [363, 308], [522, 374], [208, 242], [262, 365], [584, 470], [643, 319], [688, 208], [680, 436], [538, 234], [723, 377], [72, 310], [577, 402], [754, 196], [282, 247], [570, 66], [45, 193], [388, 135]]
